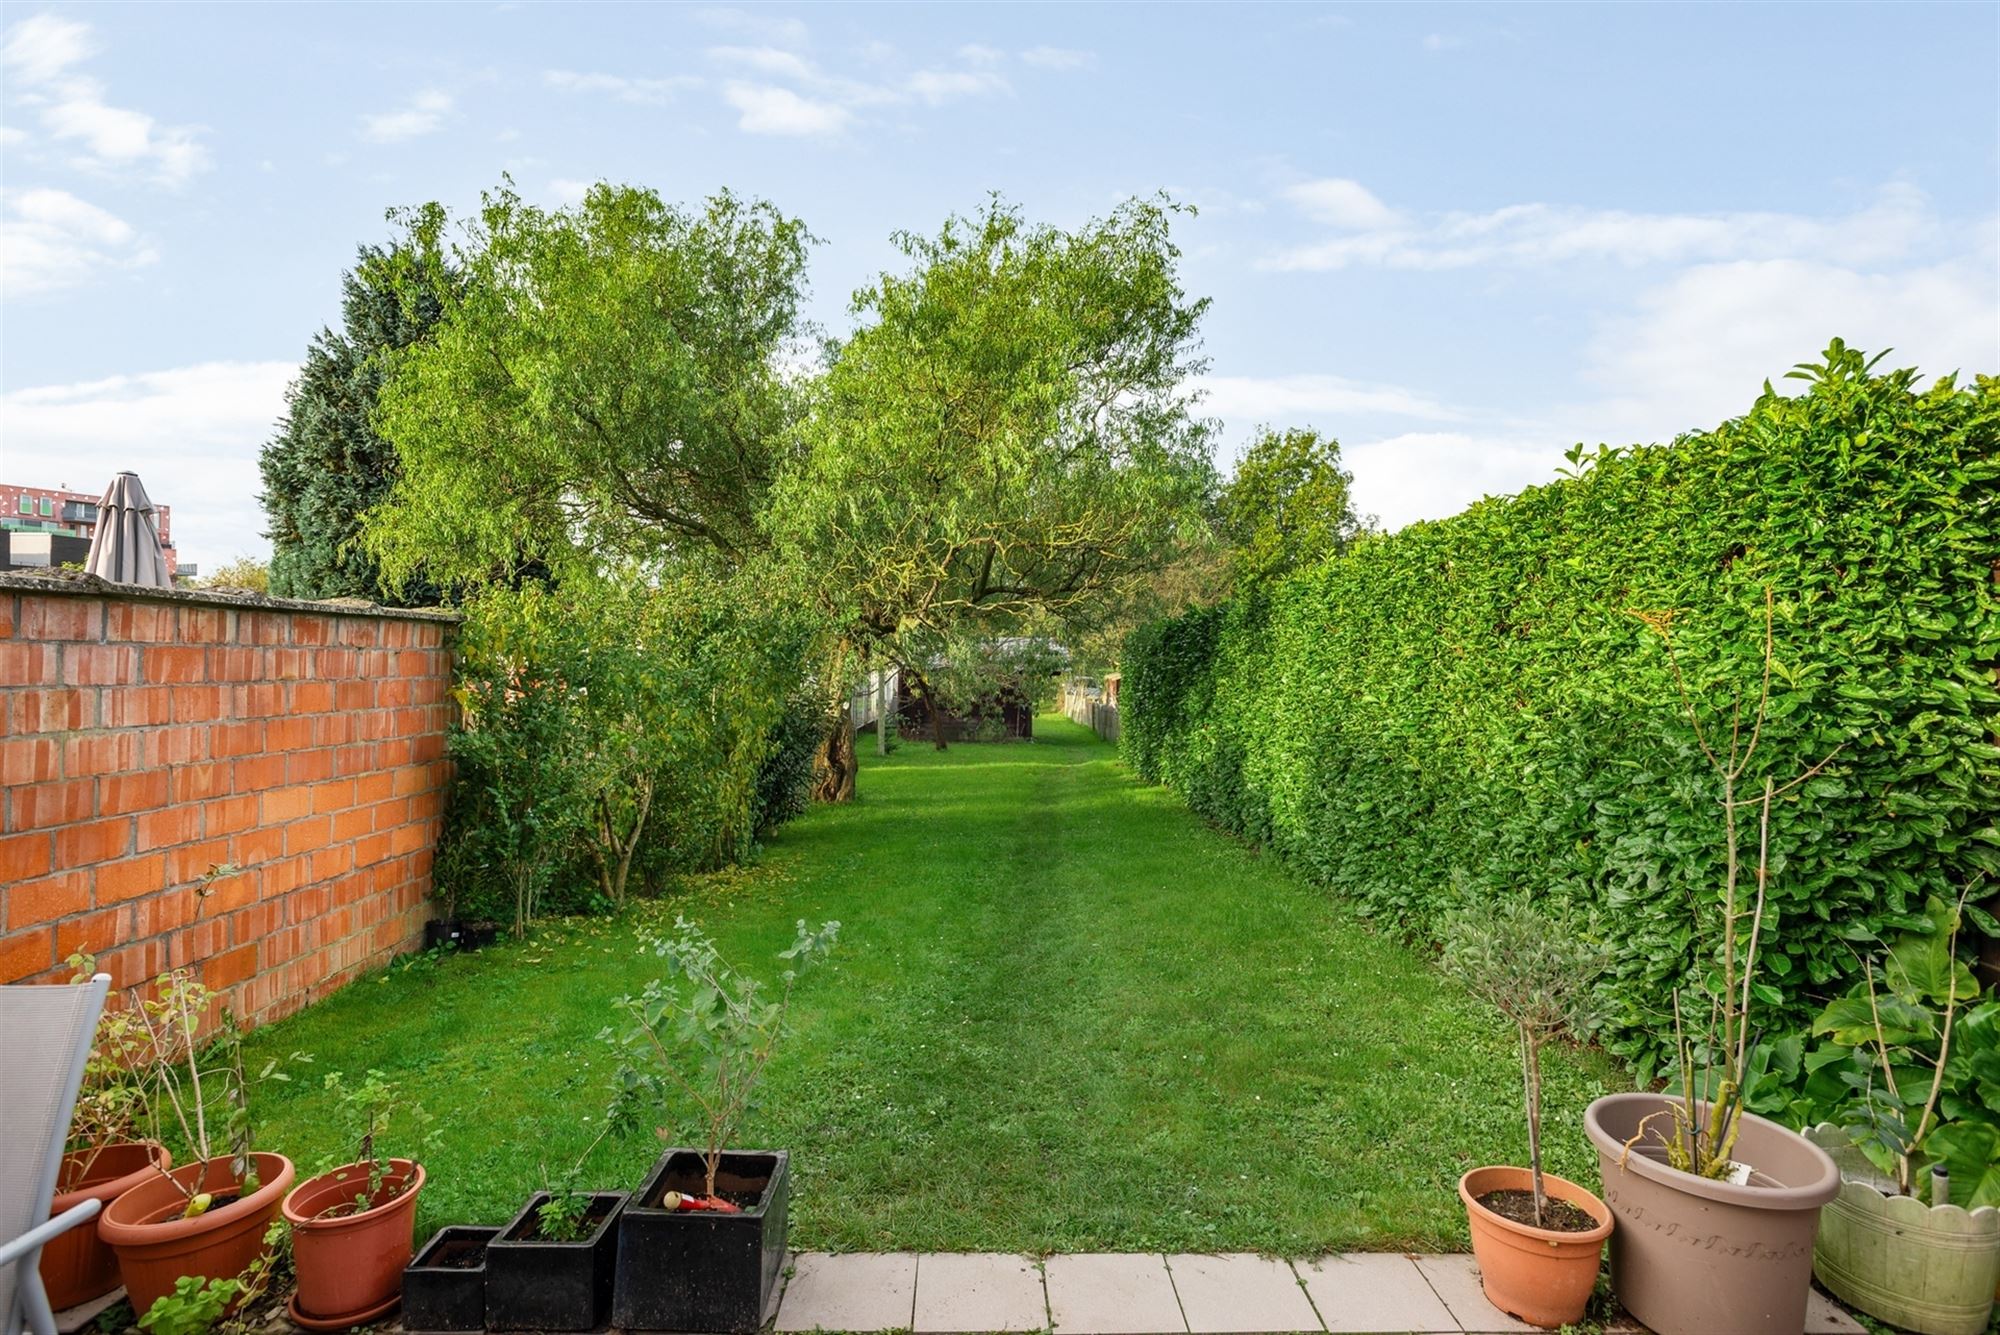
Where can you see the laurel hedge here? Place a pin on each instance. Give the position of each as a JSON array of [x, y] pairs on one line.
[[1470, 706]]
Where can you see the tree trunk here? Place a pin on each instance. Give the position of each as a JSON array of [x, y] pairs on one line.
[[1531, 1073], [834, 772]]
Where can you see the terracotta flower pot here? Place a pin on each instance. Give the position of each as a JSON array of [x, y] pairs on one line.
[[77, 1267], [351, 1265], [1542, 1275], [1692, 1255], [156, 1246]]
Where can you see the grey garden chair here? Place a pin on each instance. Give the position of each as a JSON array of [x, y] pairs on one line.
[[45, 1037]]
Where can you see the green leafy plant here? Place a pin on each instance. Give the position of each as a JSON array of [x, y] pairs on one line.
[[705, 1031], [1540, 972], [200, 1304], [372, 1105], [111, 1103]]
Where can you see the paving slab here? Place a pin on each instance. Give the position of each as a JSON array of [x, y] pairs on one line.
[[1238, 1292], [1826, 1317], [978, 1291], [1374, 1292], [73, 1319], [1112, 1294], [864, 1291], [1456, 1281]]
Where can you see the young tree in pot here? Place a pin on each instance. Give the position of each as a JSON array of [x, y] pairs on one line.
[[208, 1217], [1539, 971], [704, 1239], [1695, 1164], [353, 1226]]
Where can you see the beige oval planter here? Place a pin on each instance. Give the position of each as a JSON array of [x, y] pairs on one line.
[[1922, 1267]]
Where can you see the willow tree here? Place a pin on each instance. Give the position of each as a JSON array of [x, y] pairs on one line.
[[605, 382], [1007, 439]]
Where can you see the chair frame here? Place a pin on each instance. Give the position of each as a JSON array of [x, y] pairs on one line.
[[31, 1301]]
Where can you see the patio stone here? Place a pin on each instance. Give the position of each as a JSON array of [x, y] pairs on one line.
[[978, 1291], [1112, 1294], [866, 1291], [1827, 1317], [73, 1319], [1240, 1293], [1372, 1292], [1456, 1280]]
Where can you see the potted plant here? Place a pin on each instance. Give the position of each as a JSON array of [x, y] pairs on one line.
[[444, 1288], [550, 1268], [352, 1226], [1717, 1206], [1912, 1079], [703, 1240], [105, 1155], [1538, 1238], [206, 1219]]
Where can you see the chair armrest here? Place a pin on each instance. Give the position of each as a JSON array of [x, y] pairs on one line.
[[39, 1236]]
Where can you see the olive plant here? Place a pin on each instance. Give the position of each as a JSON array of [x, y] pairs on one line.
[[1540, 971], [707, 1031]]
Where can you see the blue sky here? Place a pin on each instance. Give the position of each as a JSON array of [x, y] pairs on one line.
[[1460, 238]]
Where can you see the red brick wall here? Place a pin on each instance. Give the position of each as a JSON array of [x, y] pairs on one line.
[[147, 739]]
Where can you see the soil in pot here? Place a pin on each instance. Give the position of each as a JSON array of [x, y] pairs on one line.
[[350, 1264], [1544, 1276], [156, 1246], [703, 1270], [78, 1266], [536, 1283], [444, 1288], [1558, 1216], [1692, 1255]]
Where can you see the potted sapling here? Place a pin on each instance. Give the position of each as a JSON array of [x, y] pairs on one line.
[[703, 1240], [352, 1226], [106, 1155], [206, 1219], [1909, 1073], [550, 1268], [1718, 1206], [1538, 1238]]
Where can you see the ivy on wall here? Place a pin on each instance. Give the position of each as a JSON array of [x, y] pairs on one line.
[[1471, 706]]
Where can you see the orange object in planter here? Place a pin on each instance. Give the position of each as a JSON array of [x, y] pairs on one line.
[[1541, 1275], [350, 1266], [156, 1246], [77, 1267]]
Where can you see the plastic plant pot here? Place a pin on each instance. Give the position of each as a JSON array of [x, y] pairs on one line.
[[533, 1283], [444, 1288], [703, 1270]]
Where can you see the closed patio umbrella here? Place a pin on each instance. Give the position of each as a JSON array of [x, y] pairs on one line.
[[126, 546]]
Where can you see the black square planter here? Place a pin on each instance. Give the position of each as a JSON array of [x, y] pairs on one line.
[[444, 1288], [703, 1270], [533, 1284], [461, 935]]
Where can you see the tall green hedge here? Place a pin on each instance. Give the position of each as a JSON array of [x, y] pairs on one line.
[[1470, 705]]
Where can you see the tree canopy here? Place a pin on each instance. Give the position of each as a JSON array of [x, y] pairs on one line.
[[1287, 505]]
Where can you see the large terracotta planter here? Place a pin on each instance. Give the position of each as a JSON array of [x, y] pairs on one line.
[[350, 1266], [77, 1267], [1922, 1267], [1541, 1275], [156, 1246], [1691, 1256]]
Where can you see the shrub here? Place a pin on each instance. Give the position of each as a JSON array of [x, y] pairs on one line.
[[784, 780], [1470, 700]]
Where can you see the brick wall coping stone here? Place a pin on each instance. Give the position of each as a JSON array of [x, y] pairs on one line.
[[81, 584]]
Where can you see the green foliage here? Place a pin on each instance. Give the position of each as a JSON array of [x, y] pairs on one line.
[[706, 1031], [195, 1307], [244, 574], [604, 384], [327, 466], [784, 780], [370, 1107], [1908, 1061], [1287, 505], [1469, 701]]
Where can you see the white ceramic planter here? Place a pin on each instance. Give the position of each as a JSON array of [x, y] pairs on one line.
[[1922, 1267]]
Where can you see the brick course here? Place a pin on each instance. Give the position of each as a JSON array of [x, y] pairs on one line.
[[146, 739]]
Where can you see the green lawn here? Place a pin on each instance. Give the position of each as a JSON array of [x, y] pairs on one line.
[[1063, 1015]]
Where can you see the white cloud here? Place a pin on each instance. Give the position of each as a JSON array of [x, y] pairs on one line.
[[1442, 41], [937, 87], [1342, 203], [191, 433], [567, 191], [768, 60], [766, 109], [1058, 58], [758, 27], [1294, 399], [975, 54], [641, 92], [11, 137], [50, 239], [39, 55], [424, 114], [1899, 219]]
